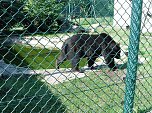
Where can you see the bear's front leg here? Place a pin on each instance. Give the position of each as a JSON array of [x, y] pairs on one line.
[[91, 61], [109, 61]]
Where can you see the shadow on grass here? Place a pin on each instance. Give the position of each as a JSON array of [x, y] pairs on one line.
[[104, 66], [83, 69], [120, 66], [28, 95], [124, 66], [38, 58], [11, 56]]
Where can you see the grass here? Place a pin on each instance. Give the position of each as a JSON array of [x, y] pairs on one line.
[[100, 92], [143, 96], [97, 92], [94, 93], [28, 94], [34, 58], [89, 21], [42, 58]]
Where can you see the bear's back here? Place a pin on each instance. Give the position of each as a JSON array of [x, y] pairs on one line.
[[86, 39]]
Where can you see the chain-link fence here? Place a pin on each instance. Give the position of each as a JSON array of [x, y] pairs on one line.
[[59, 56]]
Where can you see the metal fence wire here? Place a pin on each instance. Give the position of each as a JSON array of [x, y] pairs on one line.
[[64, 56]]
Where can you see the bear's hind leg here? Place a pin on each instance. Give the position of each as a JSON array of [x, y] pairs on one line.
[[75, 63], [60, 60]]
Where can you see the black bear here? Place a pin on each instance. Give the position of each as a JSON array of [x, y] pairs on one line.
[[90, 46]]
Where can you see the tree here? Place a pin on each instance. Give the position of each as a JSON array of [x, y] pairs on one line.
[[10, 12], [43, 13]]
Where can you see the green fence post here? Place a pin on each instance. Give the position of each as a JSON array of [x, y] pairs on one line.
[[133, 55]]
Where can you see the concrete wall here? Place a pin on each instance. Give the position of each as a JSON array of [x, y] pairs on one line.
[[122, 14]]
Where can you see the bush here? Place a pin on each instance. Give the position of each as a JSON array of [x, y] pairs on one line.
[[42, 14], [10, 13], [32, 14]]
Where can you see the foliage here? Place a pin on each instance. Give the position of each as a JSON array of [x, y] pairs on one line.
[[32, 14], [43, 13], [99, 7], [43, 8], [10, 12]]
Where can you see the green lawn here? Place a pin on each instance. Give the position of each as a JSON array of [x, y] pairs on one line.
[[89, 21], [94, 93], [28, 94], [102, 93], [35, 58]]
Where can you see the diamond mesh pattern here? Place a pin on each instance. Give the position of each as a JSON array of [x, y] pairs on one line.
[[87, 40]]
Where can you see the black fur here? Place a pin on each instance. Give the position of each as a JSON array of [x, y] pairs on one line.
[[90, 46]]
